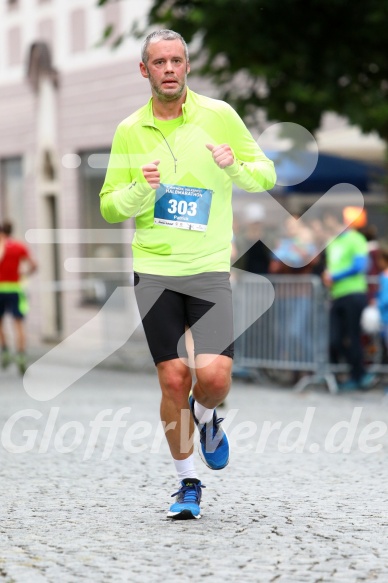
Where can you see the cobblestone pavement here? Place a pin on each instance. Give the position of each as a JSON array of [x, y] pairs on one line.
[[98, 512]]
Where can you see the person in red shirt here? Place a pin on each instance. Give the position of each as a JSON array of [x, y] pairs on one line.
[[15, 261]]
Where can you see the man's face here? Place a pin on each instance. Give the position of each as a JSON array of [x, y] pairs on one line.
[[166, 69]]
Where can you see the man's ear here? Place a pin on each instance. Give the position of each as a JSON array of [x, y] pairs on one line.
[[188, 67], [143, 70]]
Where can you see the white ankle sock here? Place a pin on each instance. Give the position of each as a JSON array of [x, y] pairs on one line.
[[186, 468], [202, 414]]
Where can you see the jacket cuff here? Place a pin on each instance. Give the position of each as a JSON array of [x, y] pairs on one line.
[[234, 169]]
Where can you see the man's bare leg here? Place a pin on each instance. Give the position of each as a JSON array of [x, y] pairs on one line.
[[175, 382], [3, 339], [20, 335], [211, 388], [213, 379], [5, 354], [20, 340]]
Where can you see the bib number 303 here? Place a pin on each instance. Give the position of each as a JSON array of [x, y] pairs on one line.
[[182, 207]]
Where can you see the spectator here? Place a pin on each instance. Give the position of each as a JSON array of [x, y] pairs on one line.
[[345, 276], [319, 238], [13, 254], [255, 255], [296, 248], [295, 254], [370, 234], [382, 294]]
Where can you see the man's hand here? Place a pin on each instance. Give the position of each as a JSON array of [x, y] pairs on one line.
[[152, 174], [222, 155]]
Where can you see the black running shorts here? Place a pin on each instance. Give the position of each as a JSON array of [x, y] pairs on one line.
[[169, 304], [10, 302]]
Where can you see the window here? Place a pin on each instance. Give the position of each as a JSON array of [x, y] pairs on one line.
[[11, 194], [99, 251]]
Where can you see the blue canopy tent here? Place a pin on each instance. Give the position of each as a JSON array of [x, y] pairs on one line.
[[302, 172]]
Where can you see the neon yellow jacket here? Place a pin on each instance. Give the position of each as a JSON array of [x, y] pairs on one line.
[[185, 161]]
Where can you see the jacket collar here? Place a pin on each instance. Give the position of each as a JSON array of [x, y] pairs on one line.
[[148, 117]]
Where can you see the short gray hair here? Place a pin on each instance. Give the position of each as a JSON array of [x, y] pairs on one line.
[[164, 34]]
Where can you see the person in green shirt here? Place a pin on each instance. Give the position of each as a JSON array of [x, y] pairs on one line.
[[172, 167], [347, 264]]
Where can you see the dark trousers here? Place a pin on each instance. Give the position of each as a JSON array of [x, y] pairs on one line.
[[345, 332]]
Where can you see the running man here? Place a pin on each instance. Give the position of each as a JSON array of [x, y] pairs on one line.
[[172, 166], [14, 256]]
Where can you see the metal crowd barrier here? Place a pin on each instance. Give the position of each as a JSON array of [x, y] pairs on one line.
[[292, 335]]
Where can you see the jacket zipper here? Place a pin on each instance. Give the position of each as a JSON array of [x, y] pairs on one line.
[[168, 145]]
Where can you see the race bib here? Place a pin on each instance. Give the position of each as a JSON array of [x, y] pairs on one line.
[[182, 207]]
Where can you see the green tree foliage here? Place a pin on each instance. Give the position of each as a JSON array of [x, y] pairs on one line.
[[293, 58]]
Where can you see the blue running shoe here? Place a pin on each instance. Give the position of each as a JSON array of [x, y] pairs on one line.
[[348, 386], [188, 500], [214, 449], [368, 381]]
